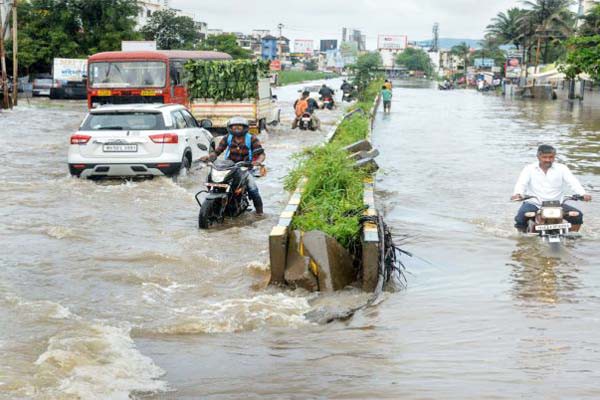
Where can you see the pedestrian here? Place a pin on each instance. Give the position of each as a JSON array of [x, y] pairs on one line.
[[388, 84], [386, 95]]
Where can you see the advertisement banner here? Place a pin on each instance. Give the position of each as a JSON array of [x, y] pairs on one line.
[[392, 42], [303, 46], [513, 67], [69, 69], [275, 65]]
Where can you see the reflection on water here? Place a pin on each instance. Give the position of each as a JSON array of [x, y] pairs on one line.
[[542, 273]]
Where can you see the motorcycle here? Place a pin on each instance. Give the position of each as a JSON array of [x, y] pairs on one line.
[[227, 194], [327, 103], [306, 122], [548, 221], [348, 95]]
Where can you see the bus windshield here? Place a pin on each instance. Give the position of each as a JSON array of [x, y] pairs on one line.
[[128, 74]]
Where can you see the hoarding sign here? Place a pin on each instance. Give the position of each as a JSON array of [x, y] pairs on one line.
[[328, 45], [69, 69], [275, 65], [513, 67], [138, 45], [392, 42], [303, 46]]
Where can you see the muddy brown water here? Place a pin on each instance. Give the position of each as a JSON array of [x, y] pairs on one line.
[[108, 290]]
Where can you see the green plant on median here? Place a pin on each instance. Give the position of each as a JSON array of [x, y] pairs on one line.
[[333, 195]]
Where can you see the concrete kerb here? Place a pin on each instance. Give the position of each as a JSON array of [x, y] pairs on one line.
[[278, 238]]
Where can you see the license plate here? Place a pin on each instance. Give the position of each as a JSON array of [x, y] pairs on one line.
[[104, 92], [148, 92], [119, 148], [552, 227]]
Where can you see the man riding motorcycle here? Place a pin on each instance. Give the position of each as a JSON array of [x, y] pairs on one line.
[[544, 180], [306, 104], [241, 145], [346, 87], [326, 92]]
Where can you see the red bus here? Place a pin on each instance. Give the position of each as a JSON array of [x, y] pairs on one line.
[[127, 77]]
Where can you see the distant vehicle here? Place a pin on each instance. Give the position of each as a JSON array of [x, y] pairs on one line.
[[137, 140], [69, 77], [42, 85], [129, 77]]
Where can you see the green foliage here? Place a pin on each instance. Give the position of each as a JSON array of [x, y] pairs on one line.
[[333, 195], [583, 55], [591, 22], [289, 77], [226, 43], [463, 51], [506, 27], [311, 65], [72, 29], [171, 31], [415, 60], [490, 49], [365, 70], [225, 80]]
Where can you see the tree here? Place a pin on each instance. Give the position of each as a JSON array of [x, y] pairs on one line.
[[311, 65], [552, 21], [591, 22], [171, 31], [490, 49], [415, 60], [227, 43], [71, 29], [365, 69], [464, 52], [506, 27]]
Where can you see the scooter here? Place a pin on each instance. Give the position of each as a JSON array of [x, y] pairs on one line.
[[227, 194], [548, 221], [306, 122]]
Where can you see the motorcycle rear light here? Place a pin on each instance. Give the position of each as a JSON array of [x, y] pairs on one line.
[[166, 138], [573, 213], [80, 139]]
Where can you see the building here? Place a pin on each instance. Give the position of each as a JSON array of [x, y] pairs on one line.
[[149, 7], [214, 32], [268, 47], [328, 45], [355, 36]]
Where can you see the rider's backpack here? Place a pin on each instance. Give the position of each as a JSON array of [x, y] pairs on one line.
[[301, 106]]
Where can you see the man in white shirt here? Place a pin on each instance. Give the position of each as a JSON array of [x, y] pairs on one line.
[[546, 180]]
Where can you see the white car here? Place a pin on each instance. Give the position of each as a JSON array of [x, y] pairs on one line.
[[137, 140]]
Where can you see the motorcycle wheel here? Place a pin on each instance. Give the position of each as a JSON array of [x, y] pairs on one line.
[[206, 215]]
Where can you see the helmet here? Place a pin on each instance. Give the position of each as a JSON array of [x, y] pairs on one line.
[[238, 121]]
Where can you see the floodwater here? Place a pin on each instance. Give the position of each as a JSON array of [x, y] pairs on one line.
[[109, 291]]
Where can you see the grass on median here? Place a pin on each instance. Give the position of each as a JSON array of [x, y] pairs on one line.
[[289, 77], [332, 201]]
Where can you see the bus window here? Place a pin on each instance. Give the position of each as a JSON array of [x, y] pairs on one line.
[[176, 72]]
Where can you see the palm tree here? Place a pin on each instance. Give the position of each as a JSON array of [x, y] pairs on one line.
[[550, 20], [506, 27], [463, 51]]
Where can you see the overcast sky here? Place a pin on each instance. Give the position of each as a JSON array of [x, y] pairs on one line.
[[324, 19]]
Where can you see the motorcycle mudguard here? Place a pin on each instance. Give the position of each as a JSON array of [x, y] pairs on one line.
[[213, 196]]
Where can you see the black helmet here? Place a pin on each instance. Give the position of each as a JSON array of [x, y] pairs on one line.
[[238, 121]]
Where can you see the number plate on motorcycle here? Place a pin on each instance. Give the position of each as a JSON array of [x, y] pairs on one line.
[[551, 227], [119, 148]]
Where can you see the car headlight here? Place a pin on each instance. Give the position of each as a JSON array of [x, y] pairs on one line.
[[552, 213], [218, 176]]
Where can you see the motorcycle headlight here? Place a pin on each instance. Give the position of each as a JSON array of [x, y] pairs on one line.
[[218, 176], [552, 213]]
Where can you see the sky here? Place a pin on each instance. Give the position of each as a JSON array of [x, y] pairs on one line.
[[324, 19]]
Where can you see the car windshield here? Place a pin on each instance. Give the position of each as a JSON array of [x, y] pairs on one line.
[[128, 74], [126, 121]]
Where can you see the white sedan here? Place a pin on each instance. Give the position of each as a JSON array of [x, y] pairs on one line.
[[137, 140]]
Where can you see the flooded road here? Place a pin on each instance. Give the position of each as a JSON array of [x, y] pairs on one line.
[[490, 314], [109, 289]]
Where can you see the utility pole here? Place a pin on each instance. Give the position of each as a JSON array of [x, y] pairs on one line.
[[15, 49], [5, 98], [279, 42]]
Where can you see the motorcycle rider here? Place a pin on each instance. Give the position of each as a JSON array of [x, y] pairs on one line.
[[545, 180], [241, 145], [346, 87], [306, 104], [326, 91]]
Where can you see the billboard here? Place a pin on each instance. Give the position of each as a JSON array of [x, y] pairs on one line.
[[327, 45], [69, 69], [513, 67], [392, 42], [303, 46]]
